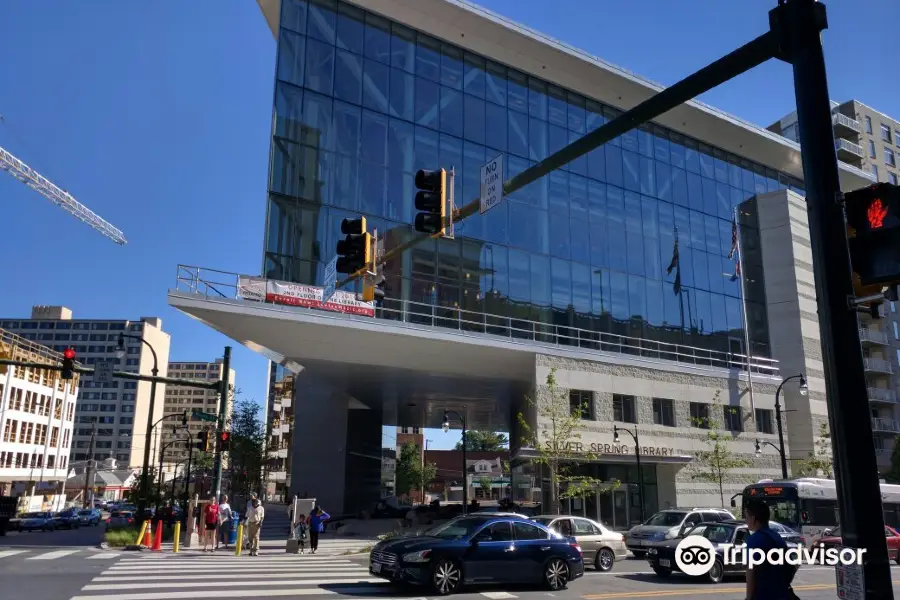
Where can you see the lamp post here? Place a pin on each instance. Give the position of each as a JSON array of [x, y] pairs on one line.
[[780, 451], [804, 388], [162, 453], [145, 471], [637, 454], [446, 427], [424, 462]]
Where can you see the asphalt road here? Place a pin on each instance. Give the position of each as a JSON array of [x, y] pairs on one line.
[[59, 538]]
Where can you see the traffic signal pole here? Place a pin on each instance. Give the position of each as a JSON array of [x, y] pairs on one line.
[[223, 416], [856, 474]]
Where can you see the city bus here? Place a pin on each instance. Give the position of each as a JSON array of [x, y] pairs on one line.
[[809, 505]]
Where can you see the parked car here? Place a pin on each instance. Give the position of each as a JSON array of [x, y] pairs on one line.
[[792, 538], [670, 524], [67, 519], [34, 521], [661, 556], [479, 549], [89, 516], [831, 538], [601, 547], [120, 519]]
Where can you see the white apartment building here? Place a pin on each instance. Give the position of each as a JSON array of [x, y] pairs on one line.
[[179, 399], [120, 408], [37, 414]]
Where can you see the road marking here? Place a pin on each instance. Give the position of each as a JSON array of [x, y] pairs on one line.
[[197, 559], [498, 595], [101, 555], [53, 555], [274, 583], [251, 593], [5, 553], [191, 574]]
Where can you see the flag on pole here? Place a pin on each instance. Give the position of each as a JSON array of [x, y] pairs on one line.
[[734, 239], [737, 270], [676, 266]]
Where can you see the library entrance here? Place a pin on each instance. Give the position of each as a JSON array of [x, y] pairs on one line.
[[617, 501]]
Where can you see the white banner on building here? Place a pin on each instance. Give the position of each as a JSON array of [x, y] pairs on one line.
[[252, 288], [310, 296]]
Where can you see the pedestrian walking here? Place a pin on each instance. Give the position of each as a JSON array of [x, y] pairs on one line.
[[766, 581], [210, 523], [254, 518], [225, 522], [300, 530], [317, 520]]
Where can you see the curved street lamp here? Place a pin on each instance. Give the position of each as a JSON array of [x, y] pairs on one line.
[[445, 426], [637, 454], [804, 389]]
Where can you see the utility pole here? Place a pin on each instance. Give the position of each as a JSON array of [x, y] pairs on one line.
[[223, 416], [89, 472]]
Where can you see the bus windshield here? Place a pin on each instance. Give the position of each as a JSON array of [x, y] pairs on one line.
[[782, 503]]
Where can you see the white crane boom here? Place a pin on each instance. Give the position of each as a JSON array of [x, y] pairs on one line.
[[61, 198]]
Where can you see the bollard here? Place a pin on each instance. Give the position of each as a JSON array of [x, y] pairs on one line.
[[140, 536], [176, 537], [240, 540]]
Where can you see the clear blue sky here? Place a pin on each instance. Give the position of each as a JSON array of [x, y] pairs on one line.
[[157, 117]]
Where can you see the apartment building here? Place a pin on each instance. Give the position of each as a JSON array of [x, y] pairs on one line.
[[280, 439], [120, 409], [179, 399], [37, 414]]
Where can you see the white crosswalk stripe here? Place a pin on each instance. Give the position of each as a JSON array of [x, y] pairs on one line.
[[105, 555], [53, 555], [5, 553]]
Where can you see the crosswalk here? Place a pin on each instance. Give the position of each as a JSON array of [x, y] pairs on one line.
[[49, 554]]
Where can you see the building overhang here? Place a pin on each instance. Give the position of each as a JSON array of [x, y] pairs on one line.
[[481, 31], [524, 455]]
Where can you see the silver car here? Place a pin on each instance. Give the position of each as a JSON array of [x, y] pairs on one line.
[[670, 524], [600, 546], [34, 521]]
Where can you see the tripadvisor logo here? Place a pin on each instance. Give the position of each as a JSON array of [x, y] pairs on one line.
[[695, 555]]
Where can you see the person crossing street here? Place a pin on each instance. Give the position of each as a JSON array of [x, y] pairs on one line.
[[254, 518], [317, 520]]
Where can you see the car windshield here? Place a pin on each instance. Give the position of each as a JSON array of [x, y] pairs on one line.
[[545, 521], [457, 529], [666, 518], [836, 532], [121, 514], [717, 534], [84, 512]]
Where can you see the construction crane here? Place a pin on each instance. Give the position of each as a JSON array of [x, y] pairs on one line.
[[54, 194]]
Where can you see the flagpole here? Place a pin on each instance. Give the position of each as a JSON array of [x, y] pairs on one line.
[[740, 257], [680, 295]]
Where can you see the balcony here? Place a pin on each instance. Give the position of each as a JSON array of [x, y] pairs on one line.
[[847, 151], [282, 453], [882, 395], [872, 337], [844, 125], [286, 427], [276, 408], [885, 426], [877, 365], [286, 402], [278, 475]]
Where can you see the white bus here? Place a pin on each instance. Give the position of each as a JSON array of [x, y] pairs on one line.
[[809, 505]]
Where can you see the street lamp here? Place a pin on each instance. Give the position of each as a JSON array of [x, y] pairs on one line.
[[804, 389], [637, 455], [145, 472], [445, 426]]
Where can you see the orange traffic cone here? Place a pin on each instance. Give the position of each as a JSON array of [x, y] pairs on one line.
[[146, 542], [157, 540]]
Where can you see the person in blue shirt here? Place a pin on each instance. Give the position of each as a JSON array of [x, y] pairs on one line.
[[317, 520], [771, 582]]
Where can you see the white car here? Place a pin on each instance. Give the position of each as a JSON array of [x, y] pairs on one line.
[[601, 547]]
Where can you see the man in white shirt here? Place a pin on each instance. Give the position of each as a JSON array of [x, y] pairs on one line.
[[254, 517], [225, 523]]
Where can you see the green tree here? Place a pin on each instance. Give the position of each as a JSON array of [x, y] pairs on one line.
[[716, 463], [820, 462], [893, 474], [485, 483], [410, 473], [556, 442], [484, 441], [248, 447]]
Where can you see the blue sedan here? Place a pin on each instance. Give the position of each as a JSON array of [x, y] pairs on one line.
[[479, 550]]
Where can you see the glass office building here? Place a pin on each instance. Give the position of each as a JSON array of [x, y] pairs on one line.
[[361, 103]]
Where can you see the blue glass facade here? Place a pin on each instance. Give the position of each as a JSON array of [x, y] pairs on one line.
[[361, 103]]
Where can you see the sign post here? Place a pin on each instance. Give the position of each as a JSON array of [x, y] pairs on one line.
[[850, 581], [491, 183], [103, 371], [330, 280]]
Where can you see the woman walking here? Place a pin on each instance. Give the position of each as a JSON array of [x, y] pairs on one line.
[[210, 523], [317, 520]]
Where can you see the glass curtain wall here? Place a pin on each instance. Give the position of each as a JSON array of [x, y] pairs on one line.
[[362, 103]]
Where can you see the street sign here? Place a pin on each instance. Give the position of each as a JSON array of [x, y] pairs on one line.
[[850, 584], [492, 184], [204, 416], [330, 280], [103, 371]]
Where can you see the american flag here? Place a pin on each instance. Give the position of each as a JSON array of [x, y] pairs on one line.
[[676, 266], [737, 270], [734, 239]]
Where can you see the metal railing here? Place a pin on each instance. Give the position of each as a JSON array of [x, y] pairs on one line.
[[878, 365], [871, 335], [848, 146], [842, 119], [887, 425], [882, 395], [224, 285]]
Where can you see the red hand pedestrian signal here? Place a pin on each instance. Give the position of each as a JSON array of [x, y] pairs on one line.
[[876, 214]]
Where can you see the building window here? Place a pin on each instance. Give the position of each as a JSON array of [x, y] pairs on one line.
[[663, 412], [886, 133], [868, 124], [733, 420], [896, 329], [892, 177], [581, 403], [872, 152], [763, 420], [700, 415], [875, 171], [624, 409], [889, 157]]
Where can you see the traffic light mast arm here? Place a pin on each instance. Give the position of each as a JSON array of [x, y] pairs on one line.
[[743, 59], [118, 374]]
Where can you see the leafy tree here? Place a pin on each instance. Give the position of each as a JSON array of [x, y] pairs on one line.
[[820, 461], [716, 463], [248, 446], [893, 474], [409, 472], [484, 441], [485, 483], [555, 441]]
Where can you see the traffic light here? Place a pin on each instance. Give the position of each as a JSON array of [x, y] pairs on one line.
[[355, 251], [223, 441], [68, 364], [373, 290], [873, 226], [203, 441], [432, 199]]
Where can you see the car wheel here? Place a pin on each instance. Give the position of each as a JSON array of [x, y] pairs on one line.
[[604, 560], [662, 571], [717, 572], [446, 577], [639, 553], [556, 574]]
